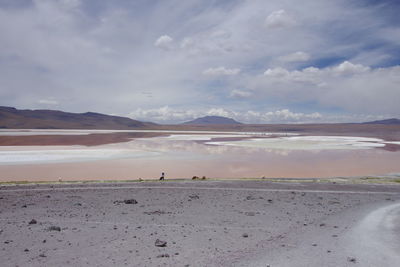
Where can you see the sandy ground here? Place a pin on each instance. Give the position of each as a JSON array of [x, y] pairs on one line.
[[204, 223]]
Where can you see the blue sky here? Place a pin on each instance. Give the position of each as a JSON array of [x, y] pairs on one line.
[[170, 61]]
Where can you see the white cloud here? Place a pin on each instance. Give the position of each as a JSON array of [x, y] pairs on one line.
[[286, 115], [276, 72], [296, 57], [221, 71], [164, 42], [351, 87], [219, 112], [169, 115], [278, 19], [240, 94], [349, 68]]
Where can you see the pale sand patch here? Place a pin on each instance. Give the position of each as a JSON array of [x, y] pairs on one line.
[[308, 143]]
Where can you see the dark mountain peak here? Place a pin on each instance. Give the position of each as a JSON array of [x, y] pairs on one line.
[[211, 120], [11, 109], [55, 119], [387, 121]]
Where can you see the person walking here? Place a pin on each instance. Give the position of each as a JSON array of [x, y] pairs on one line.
[[162, 176]]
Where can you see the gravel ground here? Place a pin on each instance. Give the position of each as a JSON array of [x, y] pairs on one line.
[[200, 223]]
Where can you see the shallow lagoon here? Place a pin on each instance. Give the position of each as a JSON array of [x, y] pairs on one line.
[[210, 154]]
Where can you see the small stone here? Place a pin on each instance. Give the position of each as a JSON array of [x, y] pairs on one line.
[[351, 259], [160, 243], [163, 255], [54, 228], [130, 201], [314, 245], [26, 250], [42, 255], [33, 221], [245, 235]]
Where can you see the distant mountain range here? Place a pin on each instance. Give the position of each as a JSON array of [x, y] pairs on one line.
[[386, 122], [212, 120], [13, 118]]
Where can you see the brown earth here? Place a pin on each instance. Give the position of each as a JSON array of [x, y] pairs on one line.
[[65, 140]]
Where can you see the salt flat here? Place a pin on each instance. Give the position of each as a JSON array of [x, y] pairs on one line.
[[128, 155]]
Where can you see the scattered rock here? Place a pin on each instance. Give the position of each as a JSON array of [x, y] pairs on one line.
[[163, 255], [194, 197], [24, 206], [26, 250], [245, 235], [314, 245], [156, 212], [351, 259], [322, 225], [270, 200], [33, 221], [126, 201], [160, 243], [250, 198], [42, 255], [130, 201], [54, 228]]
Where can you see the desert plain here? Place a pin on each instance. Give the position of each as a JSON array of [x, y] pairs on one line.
[[200, 223]]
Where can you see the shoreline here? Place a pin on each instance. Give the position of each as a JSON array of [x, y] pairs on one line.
[[370, 179]]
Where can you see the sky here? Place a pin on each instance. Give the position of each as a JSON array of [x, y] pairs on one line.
[[169, 61]]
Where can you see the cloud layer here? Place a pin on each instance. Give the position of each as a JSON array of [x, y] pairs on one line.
[[169, 61]]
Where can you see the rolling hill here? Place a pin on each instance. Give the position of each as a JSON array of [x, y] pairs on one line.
[[386, 122], [12, 118], [212, 120]]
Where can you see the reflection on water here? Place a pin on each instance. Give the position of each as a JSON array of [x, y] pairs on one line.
[[183, 156]]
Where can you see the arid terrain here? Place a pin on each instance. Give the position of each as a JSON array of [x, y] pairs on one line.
[[200, 223]]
